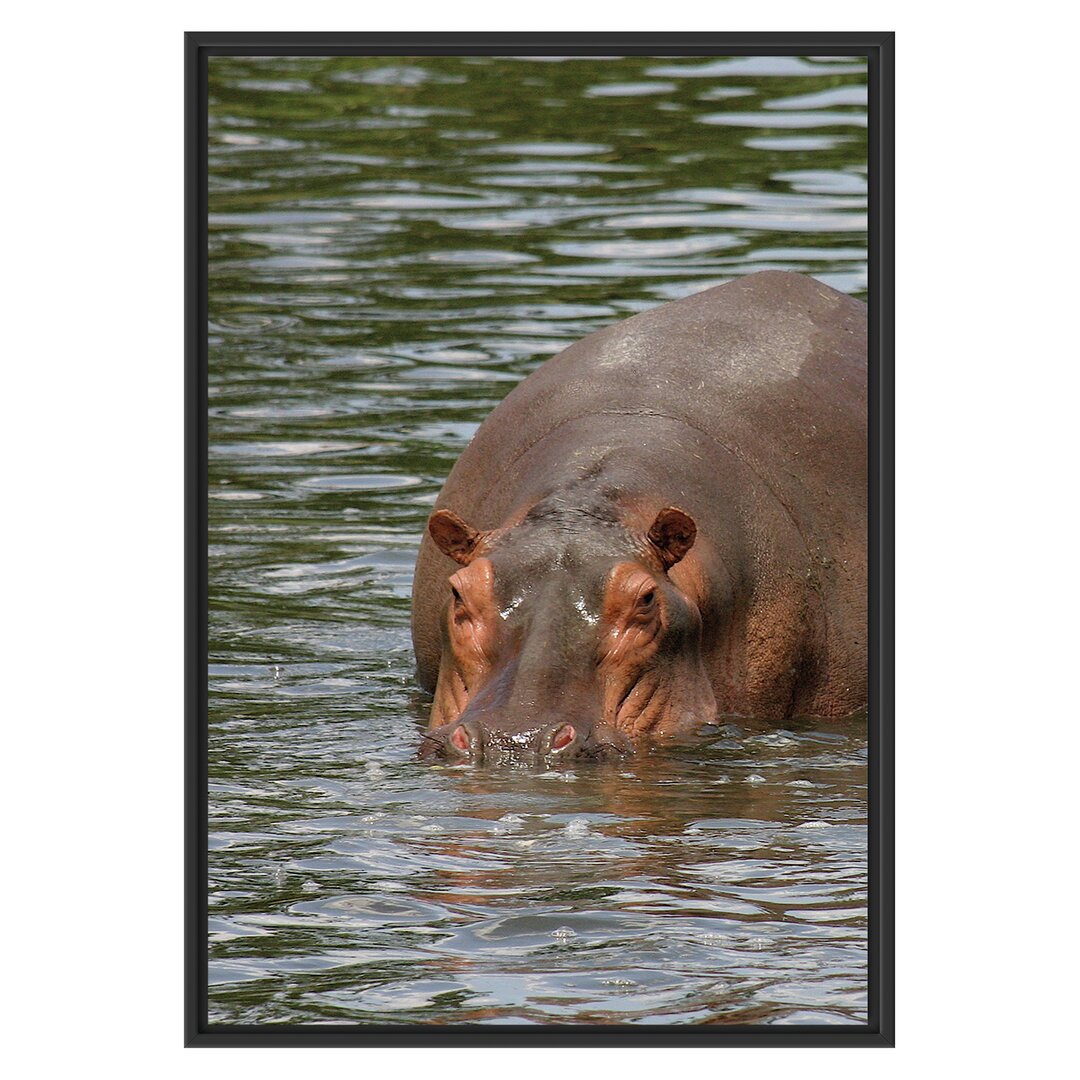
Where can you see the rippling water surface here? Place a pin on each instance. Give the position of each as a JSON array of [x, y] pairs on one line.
[[394, 242]]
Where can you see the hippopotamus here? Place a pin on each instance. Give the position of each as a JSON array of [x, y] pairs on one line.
[[663, 524]]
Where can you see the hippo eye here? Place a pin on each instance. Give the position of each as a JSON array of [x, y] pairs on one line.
[[457, 605], [645, 607]]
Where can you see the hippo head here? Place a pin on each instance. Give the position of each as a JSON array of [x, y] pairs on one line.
[[563, 636]]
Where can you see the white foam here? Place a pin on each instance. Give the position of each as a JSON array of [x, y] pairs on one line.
[[577, 828], [508, 823]]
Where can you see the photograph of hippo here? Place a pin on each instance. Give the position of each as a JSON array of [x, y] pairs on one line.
[[540, 686], [664, 523]]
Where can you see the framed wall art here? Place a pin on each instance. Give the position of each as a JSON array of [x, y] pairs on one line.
[[539, 402]]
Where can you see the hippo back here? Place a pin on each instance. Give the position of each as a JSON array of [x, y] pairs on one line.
[[772, 365]]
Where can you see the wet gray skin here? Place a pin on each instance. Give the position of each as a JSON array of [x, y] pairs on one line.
[[543, 700]]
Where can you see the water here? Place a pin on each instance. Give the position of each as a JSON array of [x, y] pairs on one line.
[[394, 242]]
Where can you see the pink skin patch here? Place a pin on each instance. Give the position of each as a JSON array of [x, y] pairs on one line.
[[460, 738], [563, 737]]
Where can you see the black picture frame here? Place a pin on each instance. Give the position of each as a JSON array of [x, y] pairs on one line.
[[878, 49]]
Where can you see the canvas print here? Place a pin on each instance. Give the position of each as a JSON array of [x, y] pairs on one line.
[[538, 541]]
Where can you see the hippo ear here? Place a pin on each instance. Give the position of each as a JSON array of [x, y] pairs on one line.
[[453, 537], [672, 534]]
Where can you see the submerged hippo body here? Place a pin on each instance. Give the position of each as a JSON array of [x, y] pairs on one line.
[[663, 523]]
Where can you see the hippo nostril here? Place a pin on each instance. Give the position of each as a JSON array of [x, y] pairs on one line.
[[563, 737], [456, 741], [467, 739]]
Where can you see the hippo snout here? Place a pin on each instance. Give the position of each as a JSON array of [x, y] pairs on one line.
[[467, 740]]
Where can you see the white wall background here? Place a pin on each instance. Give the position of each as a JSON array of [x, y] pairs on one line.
[[987, 250]]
